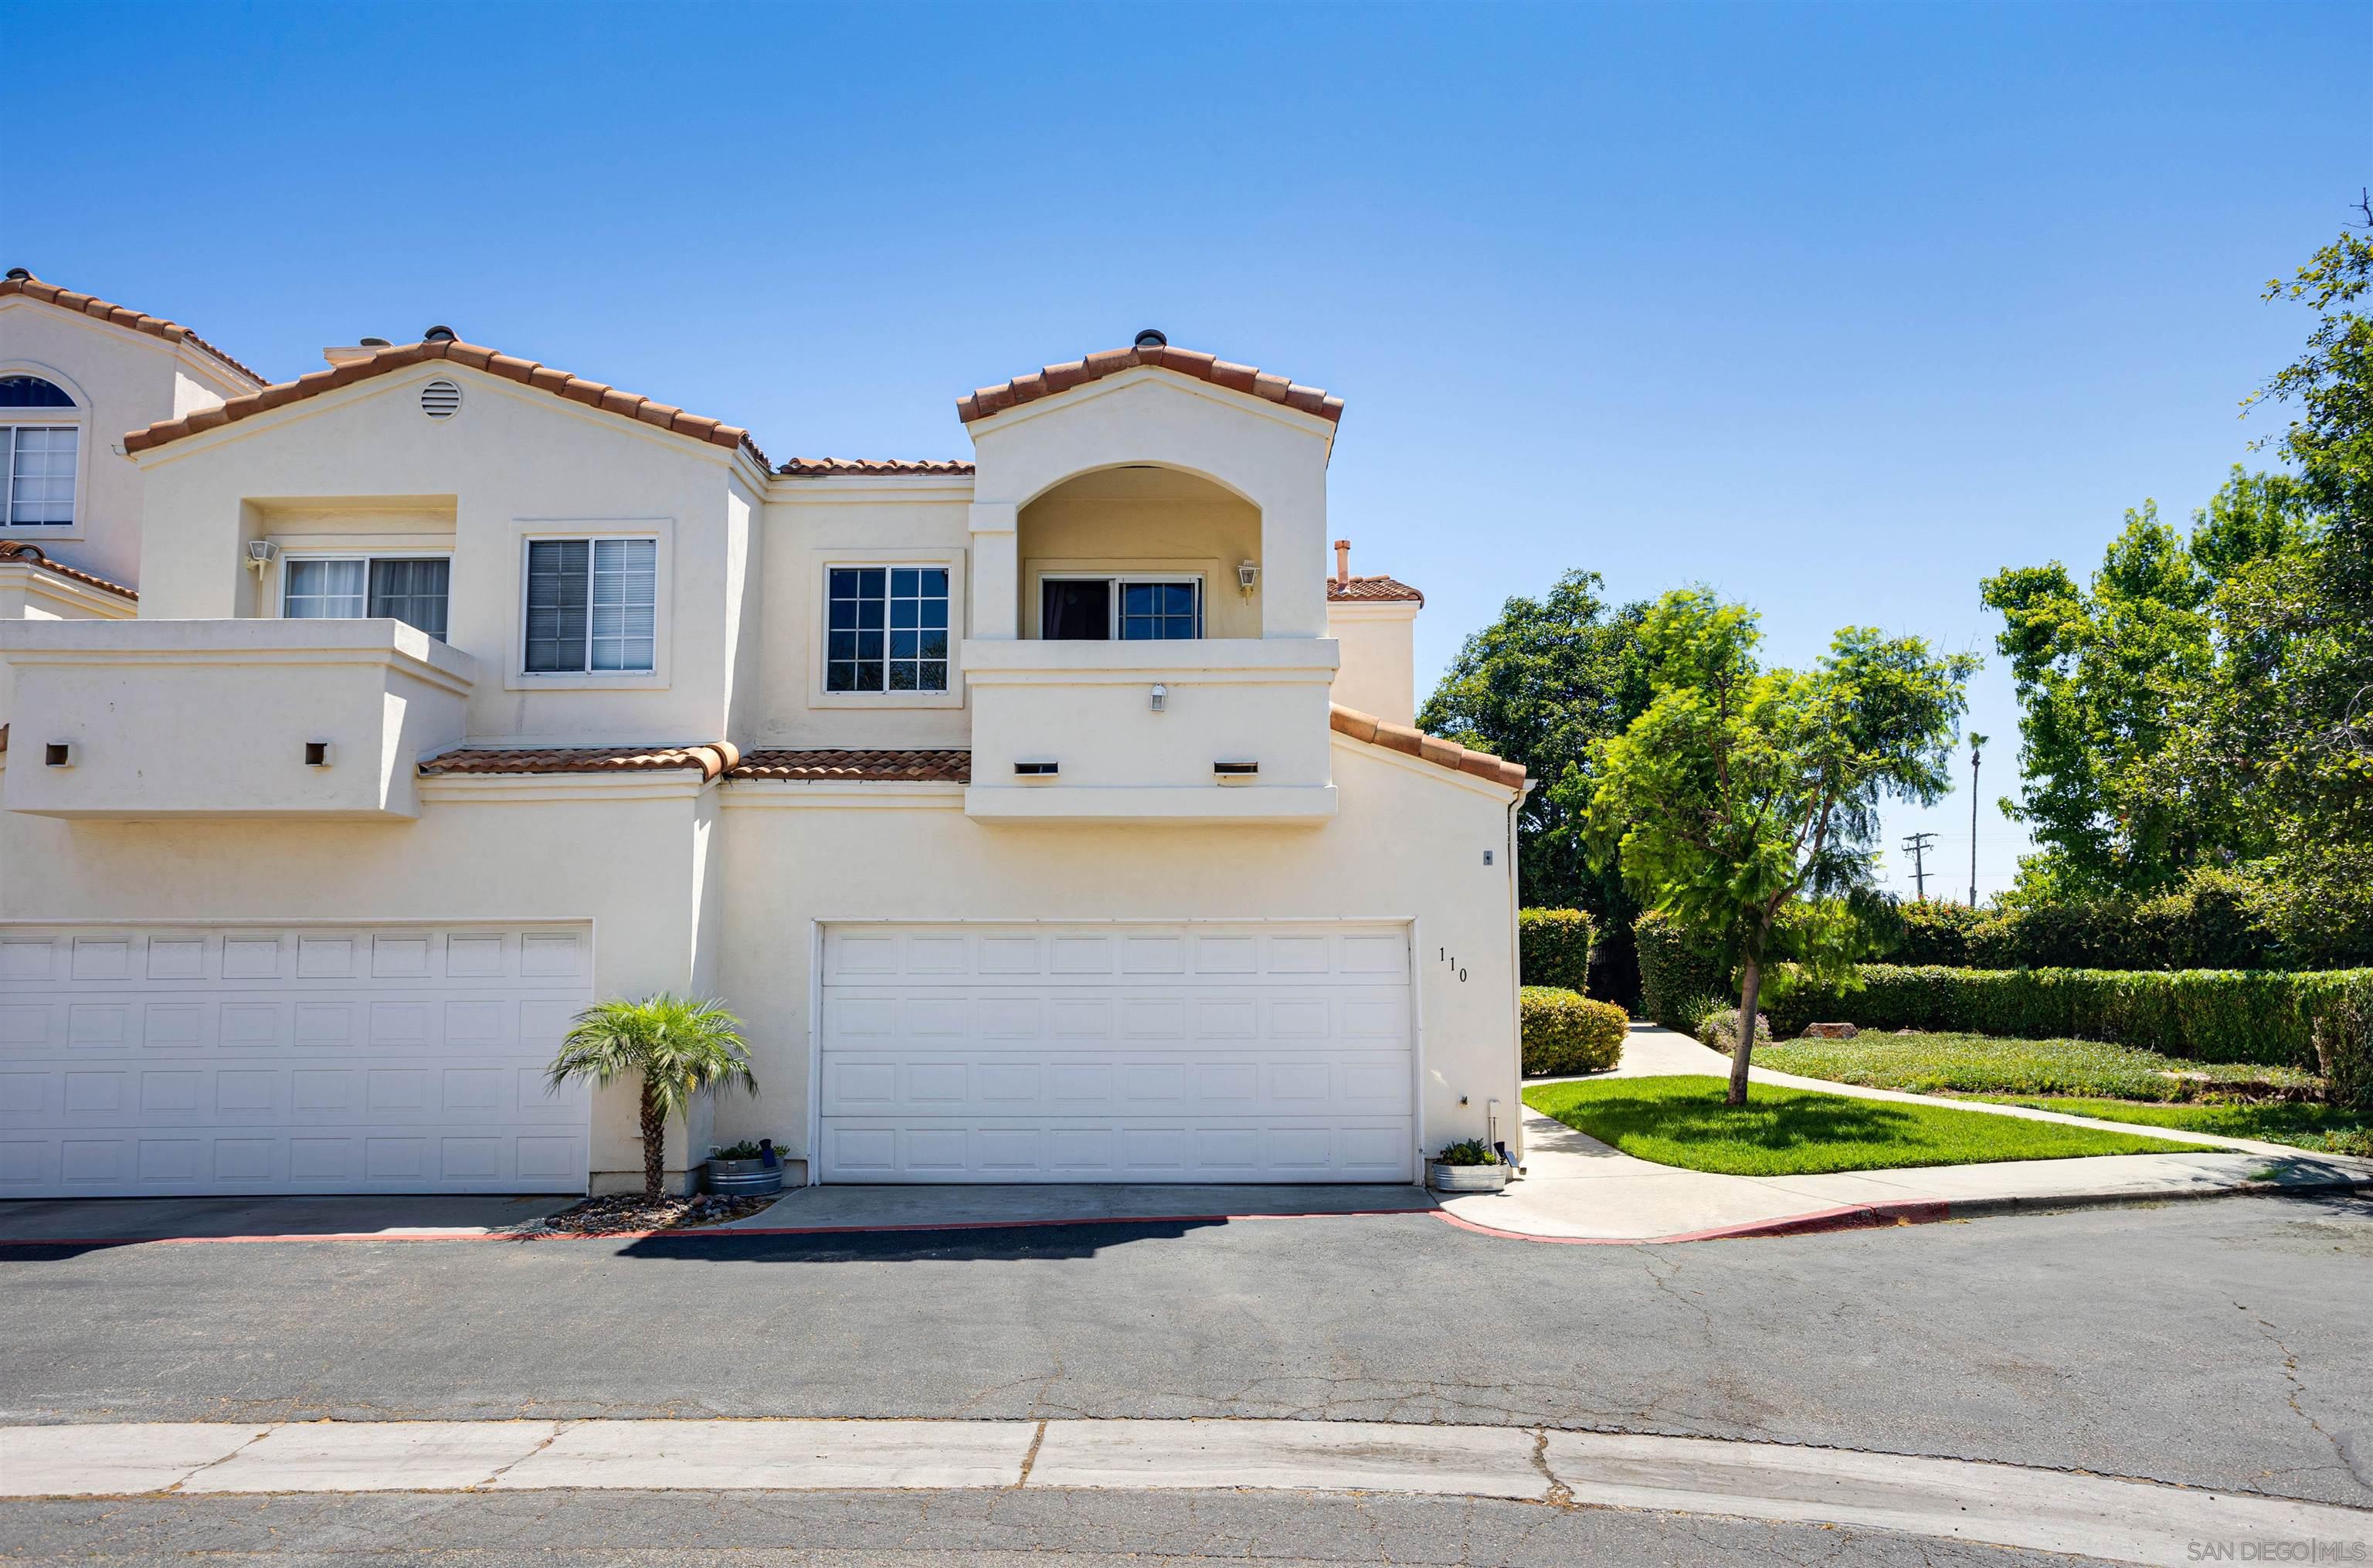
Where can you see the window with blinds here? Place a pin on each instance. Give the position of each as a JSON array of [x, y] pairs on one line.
[[592, 605]]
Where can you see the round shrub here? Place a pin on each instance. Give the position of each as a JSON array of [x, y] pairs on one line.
[[1719, 1029], [1565, 1032]]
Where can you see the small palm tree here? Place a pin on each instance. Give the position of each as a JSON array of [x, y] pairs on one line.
[[678, 1045]]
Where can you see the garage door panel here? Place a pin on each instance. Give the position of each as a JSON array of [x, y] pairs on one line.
[[243, 1060], [1183, 1053]]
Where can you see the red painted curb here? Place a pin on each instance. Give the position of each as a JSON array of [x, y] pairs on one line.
[[698, 1233], [1855, 1217]]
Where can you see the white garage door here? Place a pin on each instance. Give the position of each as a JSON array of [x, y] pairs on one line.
[[1255, 1052], [154, 1060]]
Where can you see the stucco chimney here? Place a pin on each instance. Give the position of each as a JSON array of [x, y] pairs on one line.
[[1343, 560]]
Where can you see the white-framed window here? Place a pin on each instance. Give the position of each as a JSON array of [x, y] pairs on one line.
[[885, 629], [411, 589], [39, 457], [591, 606], [1134, 607]]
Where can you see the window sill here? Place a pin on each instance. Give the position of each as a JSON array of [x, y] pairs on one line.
[[598, 680], [953, 698]]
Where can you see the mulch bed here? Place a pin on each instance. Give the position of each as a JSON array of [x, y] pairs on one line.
[[633, 1211]]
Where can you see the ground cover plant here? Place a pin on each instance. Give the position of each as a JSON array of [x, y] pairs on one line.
[[1982, 1064], [1686, 1121], [2327, 1129]]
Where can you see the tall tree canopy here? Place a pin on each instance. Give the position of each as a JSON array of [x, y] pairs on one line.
[[1541, 685], [2205, 703], [1740, 790]]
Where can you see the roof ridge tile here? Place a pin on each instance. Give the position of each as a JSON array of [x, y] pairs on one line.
[[986, 402]]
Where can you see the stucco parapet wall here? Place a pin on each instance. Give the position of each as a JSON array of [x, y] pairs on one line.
[[122, 316], [527, 372], [1214, 660], [230, 642], [33, 558], [987, 402], [1374, 732]]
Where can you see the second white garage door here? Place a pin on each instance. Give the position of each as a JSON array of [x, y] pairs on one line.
[[1195, 1052]]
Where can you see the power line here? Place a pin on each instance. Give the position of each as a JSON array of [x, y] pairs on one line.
[[1918, 844]]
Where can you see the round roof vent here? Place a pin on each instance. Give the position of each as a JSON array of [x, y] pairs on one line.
[[1152, 338], [376, 343], [440, 400], [19, 275], [437, 334]]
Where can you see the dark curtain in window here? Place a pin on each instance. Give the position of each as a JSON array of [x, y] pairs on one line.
[[412, 592], [1074, 612]]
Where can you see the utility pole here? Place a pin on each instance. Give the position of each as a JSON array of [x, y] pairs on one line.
[[1919, 845], [1977, 745]]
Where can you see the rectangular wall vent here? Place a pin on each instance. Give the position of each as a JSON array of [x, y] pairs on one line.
[[1036, 769], [1235, 770], [59, 754]]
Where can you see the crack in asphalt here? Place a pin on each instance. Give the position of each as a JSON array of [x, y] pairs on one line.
[[2344, 1445]]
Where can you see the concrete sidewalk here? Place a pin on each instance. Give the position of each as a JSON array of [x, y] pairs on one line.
[[2098, 1517], [1576, 1188]]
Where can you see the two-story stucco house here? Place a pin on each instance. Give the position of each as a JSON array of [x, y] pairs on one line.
[[1048, 817]]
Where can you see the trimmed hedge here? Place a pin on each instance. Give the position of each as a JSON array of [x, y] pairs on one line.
[[1676, 973], [2255, 1015], [2343, 1045], [1553, 947], [1565, 1032], [2205, 924]]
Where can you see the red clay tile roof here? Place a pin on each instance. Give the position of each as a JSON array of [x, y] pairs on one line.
[[839, 467], [122, 315], [1054, 378], [1370, 589], [34, 555], [560, 383], [1418, 744], [920, 767], [709, 759]]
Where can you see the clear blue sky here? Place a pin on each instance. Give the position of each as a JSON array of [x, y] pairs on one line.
[[1835, 308]]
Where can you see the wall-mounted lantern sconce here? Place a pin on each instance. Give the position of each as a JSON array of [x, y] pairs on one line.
[[1159, 698], [261, 553], [1248, 576]]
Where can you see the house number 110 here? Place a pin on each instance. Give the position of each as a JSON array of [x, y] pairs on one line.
[[1444, 953]]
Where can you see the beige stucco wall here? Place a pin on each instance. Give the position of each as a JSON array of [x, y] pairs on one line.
[[1378, 673], [811, 525], [1408, 844], [124, 381], [635, 856], [512, 463]]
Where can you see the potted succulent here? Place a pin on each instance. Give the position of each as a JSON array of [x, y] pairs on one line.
[[1471, 1166], [747, 1167]]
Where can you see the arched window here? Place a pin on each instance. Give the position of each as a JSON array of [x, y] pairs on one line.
[[40, 457], [31, 391]]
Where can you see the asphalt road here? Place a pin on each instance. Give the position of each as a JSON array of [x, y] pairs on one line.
[[940, 1530], [2218, 1344]]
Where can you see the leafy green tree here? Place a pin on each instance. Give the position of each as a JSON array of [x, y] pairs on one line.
[[2109, 675], [1744, 799], [1541, 686], [679, 1048], [2200, 715]]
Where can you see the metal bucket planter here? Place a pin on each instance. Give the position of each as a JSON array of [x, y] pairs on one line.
[[1467, 1179], [735, 1178]]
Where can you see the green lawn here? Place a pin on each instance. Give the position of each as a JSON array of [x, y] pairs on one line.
[[1976, 1064], [1683, 1121], [2325, 1128]]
